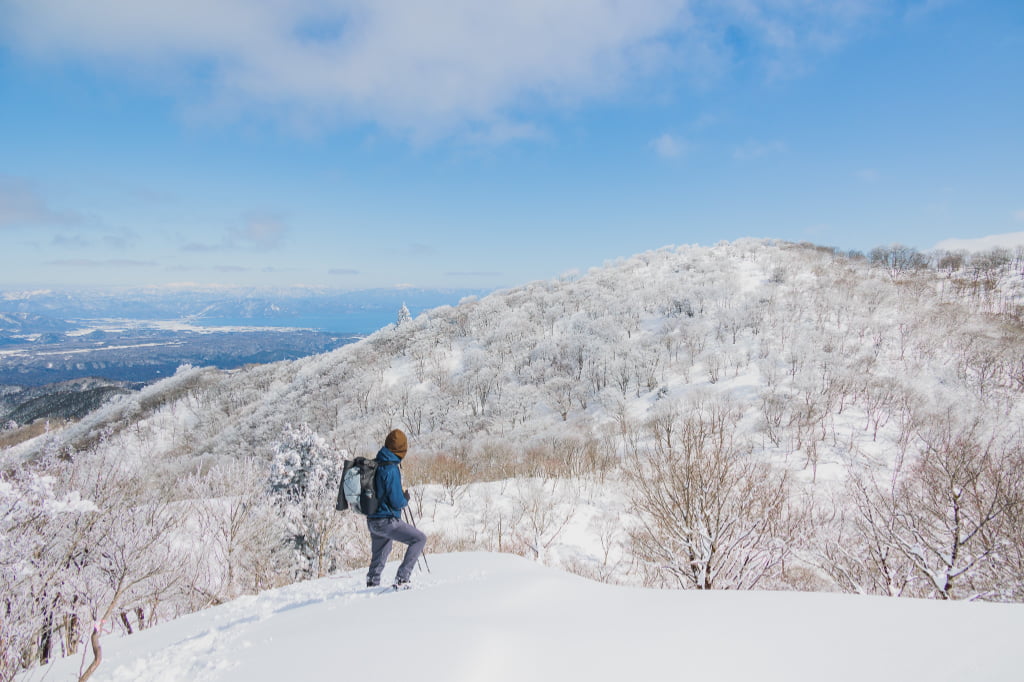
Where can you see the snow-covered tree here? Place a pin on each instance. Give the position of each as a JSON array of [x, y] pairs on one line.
[[711, 516], [243, 551], [404, 315], [304, 478], [34, 523]]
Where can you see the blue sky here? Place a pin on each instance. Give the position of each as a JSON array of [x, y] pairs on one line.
[[354, 144]]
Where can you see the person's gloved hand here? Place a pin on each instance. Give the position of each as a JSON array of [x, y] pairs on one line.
[[406, 493]]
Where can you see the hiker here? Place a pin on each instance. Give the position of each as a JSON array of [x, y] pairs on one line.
[[386, 524]]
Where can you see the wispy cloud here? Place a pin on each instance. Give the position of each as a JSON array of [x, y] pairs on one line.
[[480, 273], [705, 120], [22, 205], [1019, 215], [71, 241], [101, 263], [919, 10], [669, 146], [198, 247], [502, 132], [420, 249], [217, 286], [122, 239], [756, 150], [256, 232], [149, 195], [226, 268], [869, 175], [260, 231], [342, 271], [425, 67], [782, 38], [85, 240]]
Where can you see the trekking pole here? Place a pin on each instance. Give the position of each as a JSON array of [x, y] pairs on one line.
[[412, 522]]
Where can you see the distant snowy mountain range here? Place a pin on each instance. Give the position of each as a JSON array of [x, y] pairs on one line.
[[142, 335], [353, 312]]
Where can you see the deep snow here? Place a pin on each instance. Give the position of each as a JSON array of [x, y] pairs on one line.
[[481, 616]]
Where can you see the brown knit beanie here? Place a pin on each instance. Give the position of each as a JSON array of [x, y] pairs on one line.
[[397, 443]]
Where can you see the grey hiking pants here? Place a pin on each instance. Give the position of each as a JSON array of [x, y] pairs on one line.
[[382, 533]]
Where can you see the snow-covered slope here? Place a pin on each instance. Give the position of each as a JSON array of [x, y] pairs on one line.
[[498, 617], [856, 426]]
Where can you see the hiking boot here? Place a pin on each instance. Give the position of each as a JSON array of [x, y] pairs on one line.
[[373, 583], [401, 584]]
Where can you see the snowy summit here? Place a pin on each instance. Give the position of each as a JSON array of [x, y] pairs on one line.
[[485, 616]]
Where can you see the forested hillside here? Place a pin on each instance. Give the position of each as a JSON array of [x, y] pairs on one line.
[[750, 415]]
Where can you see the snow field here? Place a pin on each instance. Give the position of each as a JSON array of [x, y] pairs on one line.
[[485, 616]]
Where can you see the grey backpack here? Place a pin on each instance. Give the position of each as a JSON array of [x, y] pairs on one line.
[[356, 491]]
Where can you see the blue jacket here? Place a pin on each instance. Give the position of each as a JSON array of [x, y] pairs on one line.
[[388, 486]]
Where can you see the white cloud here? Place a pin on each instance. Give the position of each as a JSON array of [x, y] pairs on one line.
[[410, 64], [669, 146], [1009, 240], [425, 67]]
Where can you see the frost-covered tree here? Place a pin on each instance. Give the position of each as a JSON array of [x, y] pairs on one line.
[[34, 517], [304, 476], [82, 569], [544, 507], [129, 564], [243, 551], [950, 505], [711, 516], [897, 260], [404, 315], [941, 523]]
